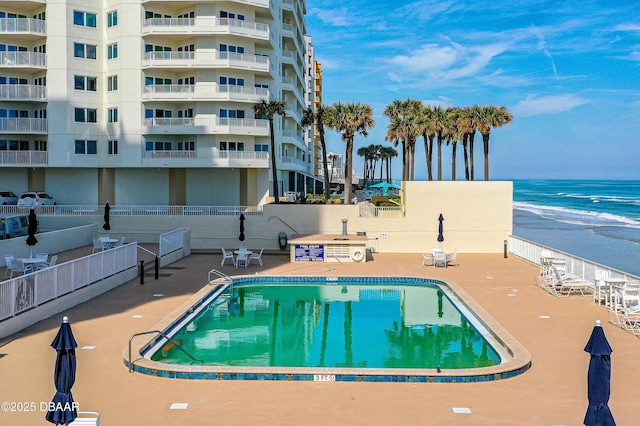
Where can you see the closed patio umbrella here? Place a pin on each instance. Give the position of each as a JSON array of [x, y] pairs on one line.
[[241, 236], [599, 379], [440, 229], [32, 229], [62, 409], [107, 218]]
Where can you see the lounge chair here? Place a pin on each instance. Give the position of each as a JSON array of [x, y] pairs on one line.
[[256, 256], [227, 255], [567, 284], [451, 257]]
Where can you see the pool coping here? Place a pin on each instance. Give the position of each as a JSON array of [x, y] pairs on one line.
[[518, 362]]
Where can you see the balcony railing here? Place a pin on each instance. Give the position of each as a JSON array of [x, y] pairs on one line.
[[243, 122], [22, 59], [209, 59], [182, 121], [207, 25], [23, 25], [204, 91], [23, 157], [169, 154], [23, 125], [242, 155], [23, 92]]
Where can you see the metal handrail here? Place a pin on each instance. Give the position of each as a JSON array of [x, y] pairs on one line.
[[175, 343], [225, 277], [147, 250]]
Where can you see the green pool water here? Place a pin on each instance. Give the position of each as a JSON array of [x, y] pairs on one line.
[[346, 326]]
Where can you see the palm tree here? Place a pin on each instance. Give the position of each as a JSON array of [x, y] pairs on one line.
[[316, 118], [387, 153], [405, 129], [476, 117], [349, 118], [492, 116], [271, 108], [439, 118], [428, 128], [467, 130]]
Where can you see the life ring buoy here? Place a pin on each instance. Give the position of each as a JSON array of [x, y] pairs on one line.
[[357, 255]]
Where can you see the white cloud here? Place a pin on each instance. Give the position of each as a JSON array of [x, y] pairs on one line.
[[627, 27], [534, 105], [336, 17]]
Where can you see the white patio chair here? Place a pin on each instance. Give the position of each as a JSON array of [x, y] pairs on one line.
[[51, 263], [86, 418], [20, 268], [567, 284], [227, 255], [8, 259], [601, 289], [451, 257], [42, 256], [439, 259], [256, 256], [97, 245], [427, 257]]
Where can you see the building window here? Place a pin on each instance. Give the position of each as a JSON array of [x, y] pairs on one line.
[[40, 145], [86, 115], [231, 146], [112, 83], [261, 147], [229, 15], [231, 113], [112, 51], [113, 147], [86, 51], [112, 115], [231, 49], [187, 81], [86, 147], [112, 18], [12, 145], [186, 146], [84, 19], [84, 82], [231, 81], [189, 15], [185, 113]]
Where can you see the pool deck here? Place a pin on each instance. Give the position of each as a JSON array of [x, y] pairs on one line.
[[553, 330]]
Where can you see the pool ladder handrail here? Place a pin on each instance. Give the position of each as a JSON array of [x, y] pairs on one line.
[[161, 333], [219, 274]]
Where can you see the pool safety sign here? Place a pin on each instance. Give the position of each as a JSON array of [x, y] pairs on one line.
[[309, 253]]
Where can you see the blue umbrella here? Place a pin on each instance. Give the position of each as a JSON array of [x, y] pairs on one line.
[[62, 409], [440, 229], [599, 379]]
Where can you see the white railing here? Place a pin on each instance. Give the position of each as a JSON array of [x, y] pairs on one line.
[[31, 290], [171, 241], [183, 121], [135, 210], [23, 92], [169, 154], [23, 25], [380, 211], [23, 157], [575, 265], [23, 124], [242, 155], [19, 59], [207, 24]]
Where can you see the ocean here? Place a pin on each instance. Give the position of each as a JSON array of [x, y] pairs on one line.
[[598, 220]]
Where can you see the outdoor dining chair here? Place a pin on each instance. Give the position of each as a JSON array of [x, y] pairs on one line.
[[8, 259], [227, 255], [19, 267], [256, 256]]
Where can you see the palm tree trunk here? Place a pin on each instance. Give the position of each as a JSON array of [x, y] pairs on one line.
[[465, 147], [274, 170], [439, 156], [325, 167], [348, 167], [413, 157], [453, 160], [471, 138], [428, 149], [485, 142]]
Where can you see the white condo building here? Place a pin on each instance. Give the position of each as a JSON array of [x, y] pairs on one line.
[[151, 101]]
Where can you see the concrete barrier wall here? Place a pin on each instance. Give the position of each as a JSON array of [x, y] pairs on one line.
[[50, 242], [478, 218]]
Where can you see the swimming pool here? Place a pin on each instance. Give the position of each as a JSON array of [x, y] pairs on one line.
[[333, 328]]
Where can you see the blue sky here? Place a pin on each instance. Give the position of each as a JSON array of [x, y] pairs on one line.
[[568, 71]]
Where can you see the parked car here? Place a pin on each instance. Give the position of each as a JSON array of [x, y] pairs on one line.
[[13, 225], [8, 198], [36, 199]]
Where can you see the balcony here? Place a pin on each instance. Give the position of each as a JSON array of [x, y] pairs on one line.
[[23, 125], [22, 92], [23, 60], [289, 83], [20, 158], [183, 26], [293, 113], [241, 159], [206, 125], [169, 154], [292, 163], [203, 91], [23, 28], [207, 59]]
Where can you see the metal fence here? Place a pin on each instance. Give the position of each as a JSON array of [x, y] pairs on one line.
[[575, 265], [128, 210], [31, 290], [368, 210], [171, 241]]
